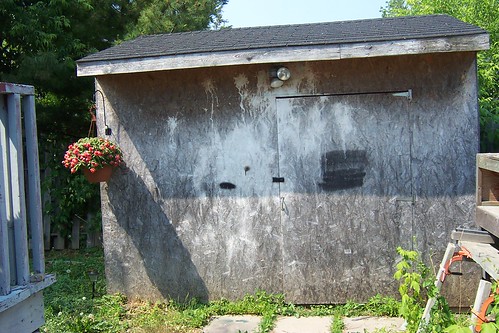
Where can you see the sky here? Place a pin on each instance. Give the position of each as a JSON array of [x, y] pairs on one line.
[[252, 13]]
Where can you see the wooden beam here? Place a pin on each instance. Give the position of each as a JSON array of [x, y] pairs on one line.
[[34, 191], [5, 156], [19, 294], [469, 43], [4, 231], [487, 217], [477, 236], [14, 88], [488, 161], [26, 316], [485, 255], [17, 188]]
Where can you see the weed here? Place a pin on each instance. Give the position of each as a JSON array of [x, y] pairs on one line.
[[337, 325], [71, 308], [416, 286]]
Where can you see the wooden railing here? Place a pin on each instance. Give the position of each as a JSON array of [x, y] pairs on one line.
[[20, 202]]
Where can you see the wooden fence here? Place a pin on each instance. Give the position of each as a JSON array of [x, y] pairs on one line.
[[21, 283]]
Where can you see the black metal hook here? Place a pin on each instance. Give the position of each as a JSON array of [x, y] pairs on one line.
[[107, 129]]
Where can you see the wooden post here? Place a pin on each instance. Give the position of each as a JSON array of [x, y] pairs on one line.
[[75, 234], [17, 188], [5, 156], [46, 222], [4, 231], [34, 192], [46, 200]]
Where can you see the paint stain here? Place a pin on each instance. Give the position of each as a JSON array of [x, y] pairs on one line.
[[343, 169], [227, 186]]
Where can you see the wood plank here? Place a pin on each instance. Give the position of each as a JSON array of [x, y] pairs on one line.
[[19, 294], [4, 231], [416, 46], [286, 54], [485, 255], [14, 88], [75, 234], [17, 188], [472, 236], [34, 191], [487, 217], [26, 316], [4, 155], [490, 203], [488, 161], [478, 190]]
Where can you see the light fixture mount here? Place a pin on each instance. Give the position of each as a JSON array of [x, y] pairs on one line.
[[278, 75], [283, 73]]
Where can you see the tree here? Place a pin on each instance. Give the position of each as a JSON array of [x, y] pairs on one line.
[[41, 41], [159, 16], [485, 14]]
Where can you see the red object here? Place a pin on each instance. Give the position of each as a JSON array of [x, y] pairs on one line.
[[100, 175]]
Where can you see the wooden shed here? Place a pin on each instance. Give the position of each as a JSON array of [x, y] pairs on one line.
[[292, 159]]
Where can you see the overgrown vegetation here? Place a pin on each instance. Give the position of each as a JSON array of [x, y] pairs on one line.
[[70, 307], [416, 287]]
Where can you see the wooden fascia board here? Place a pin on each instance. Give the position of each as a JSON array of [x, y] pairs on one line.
[[287, 54]]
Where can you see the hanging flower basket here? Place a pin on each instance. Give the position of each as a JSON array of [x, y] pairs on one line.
[[99, 175], [97, 157]]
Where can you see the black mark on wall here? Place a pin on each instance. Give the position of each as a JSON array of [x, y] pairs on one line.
[[227, 186], [343, 169]]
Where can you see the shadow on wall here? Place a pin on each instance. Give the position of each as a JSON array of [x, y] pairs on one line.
[[144, 256]]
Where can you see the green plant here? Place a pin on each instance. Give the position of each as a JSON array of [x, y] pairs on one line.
[[337, 325], [491, 312], [92, 153], [416, 287]]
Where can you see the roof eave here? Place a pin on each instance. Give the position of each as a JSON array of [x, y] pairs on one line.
[[465, 43]]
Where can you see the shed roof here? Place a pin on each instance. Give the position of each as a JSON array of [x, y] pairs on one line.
[[287, 43]]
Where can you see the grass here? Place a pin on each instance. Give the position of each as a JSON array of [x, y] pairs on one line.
[[69, 306]]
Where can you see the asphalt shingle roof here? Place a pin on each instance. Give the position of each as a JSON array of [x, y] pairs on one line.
[[233, 39]]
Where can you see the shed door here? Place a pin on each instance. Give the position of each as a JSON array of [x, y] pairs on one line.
[[346, 195]]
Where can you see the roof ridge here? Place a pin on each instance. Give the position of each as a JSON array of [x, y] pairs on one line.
[[266, 27]]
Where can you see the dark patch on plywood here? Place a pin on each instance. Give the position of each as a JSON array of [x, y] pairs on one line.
[[343, 169], [227, 186]]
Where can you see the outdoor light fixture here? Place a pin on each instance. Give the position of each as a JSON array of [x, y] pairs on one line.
[[278, 76], [93, 276]]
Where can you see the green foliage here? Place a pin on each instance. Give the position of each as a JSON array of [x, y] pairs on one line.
[[160, 16], [416, 286], [71, 196], [337, 325], [457, 329], [69, 306], [485, 14], [41, 41]]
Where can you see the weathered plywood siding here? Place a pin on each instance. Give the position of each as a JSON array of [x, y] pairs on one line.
[[196, 212]]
